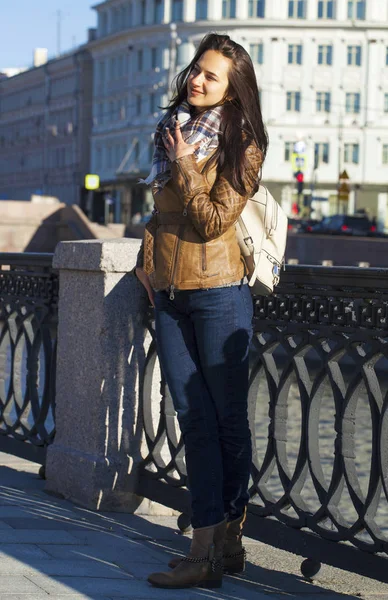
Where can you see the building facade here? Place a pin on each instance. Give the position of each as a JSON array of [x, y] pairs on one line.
[[45, 127], [322, 68]]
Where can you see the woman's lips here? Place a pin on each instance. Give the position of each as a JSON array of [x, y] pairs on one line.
[[195, 92]]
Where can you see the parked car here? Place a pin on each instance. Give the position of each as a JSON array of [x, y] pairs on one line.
[[344, 225]]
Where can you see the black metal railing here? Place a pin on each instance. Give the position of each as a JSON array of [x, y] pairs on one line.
[[28, 334], [318, 409]]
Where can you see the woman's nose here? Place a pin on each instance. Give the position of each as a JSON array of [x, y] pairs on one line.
[[197, 80]]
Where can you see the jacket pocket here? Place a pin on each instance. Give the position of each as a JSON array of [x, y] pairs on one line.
[[204, 261], [213, 257]]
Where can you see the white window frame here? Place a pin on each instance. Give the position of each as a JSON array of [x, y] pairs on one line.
[[293, 101], [288, 150], [325, 52], [384, 154], [177, 11], [357, 10], [158, 6], [354, 55], [323, 102], [201, 10], [352, 153], [327, 6], [353, 103], [295, 54], [297, 9], [322, 152], [228, 9], [256, 9], [256, 51]]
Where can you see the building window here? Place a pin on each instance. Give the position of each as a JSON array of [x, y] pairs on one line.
[[136, 150], [323, 102], [256, 53], [353, 102], [294, 54], [297, 9], [256, 8], [293, 101], [288, 150], [386, 56], [156, 58], [140, 60], [321, 153], [201, 10], [385, 154], [228, 9], [103, 19], [325, 55], [354, 56], [352, 154], [98, 159], [101, 71], [177, 11], [153, 107], [143, 12], [112, 68], [326, 9], [158, 11], [109, 157], [120, 66], [386, 103], [138, 105], [356, 10]]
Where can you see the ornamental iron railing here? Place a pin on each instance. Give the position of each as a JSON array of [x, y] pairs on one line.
[[28, 334], [318, 409]]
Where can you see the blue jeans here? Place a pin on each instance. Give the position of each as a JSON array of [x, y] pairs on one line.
[[203, 339]]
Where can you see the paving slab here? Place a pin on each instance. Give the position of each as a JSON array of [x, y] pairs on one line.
[[16, 584], [35, 536], [22, 551], [84, 567], [115, 555], [44, 596]]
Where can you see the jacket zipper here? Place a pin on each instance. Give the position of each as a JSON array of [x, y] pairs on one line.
[[204, 264], [175, 261]]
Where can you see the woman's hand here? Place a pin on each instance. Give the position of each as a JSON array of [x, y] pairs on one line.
[[178, 147], [144, 279]]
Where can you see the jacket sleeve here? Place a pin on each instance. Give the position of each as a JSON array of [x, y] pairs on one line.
[[214, 210]]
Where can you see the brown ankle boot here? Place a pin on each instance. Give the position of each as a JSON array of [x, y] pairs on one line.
[[234, 553], [202, 566]]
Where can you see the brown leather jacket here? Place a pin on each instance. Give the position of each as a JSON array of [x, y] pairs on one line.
[[190, 241]]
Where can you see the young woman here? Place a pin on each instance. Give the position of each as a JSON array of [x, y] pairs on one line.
[[209, 148]]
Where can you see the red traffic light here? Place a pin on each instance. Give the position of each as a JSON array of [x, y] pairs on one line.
[[299, 176]]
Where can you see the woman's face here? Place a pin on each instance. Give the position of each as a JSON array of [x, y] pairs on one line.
[[208, 82]]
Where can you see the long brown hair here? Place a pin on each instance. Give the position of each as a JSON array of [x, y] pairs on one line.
[[241, 121]]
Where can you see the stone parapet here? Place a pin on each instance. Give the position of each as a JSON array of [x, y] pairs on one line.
[[102, 344]]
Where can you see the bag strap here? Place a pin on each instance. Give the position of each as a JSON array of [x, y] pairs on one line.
[[271, 221], [246, 237]]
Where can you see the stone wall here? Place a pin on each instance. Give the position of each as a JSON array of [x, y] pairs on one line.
[[38, 227]]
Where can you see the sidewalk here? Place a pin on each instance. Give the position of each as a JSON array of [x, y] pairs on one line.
[[52, 550]]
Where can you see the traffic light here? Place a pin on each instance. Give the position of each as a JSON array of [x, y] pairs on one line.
[[299, 176]]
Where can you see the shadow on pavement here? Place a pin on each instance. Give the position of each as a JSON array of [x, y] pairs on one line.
[[49, 545]]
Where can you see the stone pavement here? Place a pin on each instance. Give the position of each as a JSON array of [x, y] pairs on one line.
[[52, 550]]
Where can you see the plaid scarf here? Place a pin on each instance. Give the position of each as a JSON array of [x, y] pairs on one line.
[[203, 128]]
